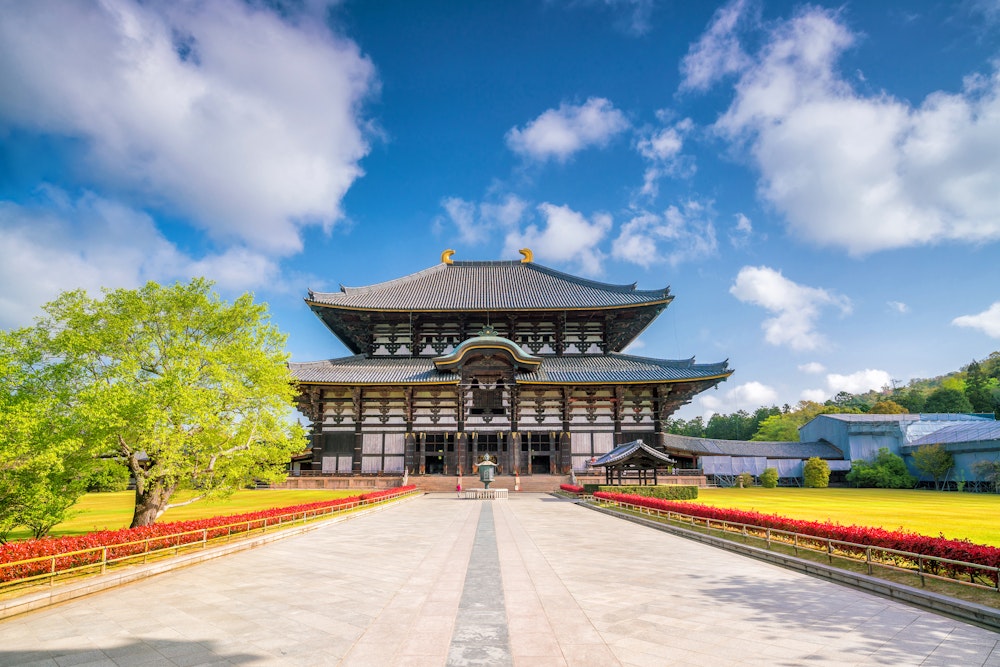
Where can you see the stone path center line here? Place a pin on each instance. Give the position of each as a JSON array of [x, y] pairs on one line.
[[481, 635]]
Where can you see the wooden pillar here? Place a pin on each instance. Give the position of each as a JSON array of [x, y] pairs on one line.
[[461, 438], [357, 399], [513, 438], [409, 442], [617, 409], [422, 454], [461, 446], [659, 400], [565, 441]]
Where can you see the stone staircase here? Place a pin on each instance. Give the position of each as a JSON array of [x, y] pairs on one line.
[[529, 483]]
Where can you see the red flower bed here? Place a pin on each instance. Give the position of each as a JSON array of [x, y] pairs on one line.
[[941, 547], [120, 543], [572, 488], [375, 495]]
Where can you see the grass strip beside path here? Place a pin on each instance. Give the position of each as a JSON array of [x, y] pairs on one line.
[[112, 511], [958, 516]]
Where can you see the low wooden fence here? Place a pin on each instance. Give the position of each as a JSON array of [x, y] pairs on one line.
[[925, 567], [98, 560]]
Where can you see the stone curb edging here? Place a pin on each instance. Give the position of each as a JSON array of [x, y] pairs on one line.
[[970, 612], [56, 595]]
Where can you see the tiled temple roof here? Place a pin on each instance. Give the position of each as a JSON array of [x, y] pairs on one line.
[[568, 369], [500, 285], [771, 450]]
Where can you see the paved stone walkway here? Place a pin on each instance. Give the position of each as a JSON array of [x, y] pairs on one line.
[[403, 587]]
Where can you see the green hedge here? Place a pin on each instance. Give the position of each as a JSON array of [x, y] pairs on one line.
[[664, 491]]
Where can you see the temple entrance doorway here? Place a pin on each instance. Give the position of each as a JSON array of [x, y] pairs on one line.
[[434, 464], [541, 465], [437, 453], [539, 451]]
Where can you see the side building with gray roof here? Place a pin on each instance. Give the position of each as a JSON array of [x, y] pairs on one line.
[[969, 438]]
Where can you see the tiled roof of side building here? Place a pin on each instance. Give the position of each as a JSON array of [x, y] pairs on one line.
[[771, 450], [925, 416], [594, 369], [507, 285], [969, 431]]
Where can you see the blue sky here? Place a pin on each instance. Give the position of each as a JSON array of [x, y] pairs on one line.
[[819, 184]]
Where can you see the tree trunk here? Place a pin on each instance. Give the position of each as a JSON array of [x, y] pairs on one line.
[[150, 501]]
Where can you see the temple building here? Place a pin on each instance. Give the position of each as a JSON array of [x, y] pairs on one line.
[[506, 358]]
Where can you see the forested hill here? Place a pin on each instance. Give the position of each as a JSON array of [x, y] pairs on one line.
[[974, 388]]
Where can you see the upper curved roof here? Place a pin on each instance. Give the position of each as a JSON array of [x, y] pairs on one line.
[[496, 285]]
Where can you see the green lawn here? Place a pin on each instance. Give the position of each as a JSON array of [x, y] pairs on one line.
[[970, 516], [100, 511]]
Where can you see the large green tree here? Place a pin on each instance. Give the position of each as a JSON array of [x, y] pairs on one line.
[[977, 388], [44, 465], [185, 389], [947, 399]]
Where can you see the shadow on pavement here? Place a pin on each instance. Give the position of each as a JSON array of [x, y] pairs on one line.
[[136, 652]]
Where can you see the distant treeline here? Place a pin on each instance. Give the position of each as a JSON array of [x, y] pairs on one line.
[[974, 388]]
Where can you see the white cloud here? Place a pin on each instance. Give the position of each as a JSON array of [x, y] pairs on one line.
[[661, 148], [796, 307], [678, 235], [559, 133], [718, 52], [813, 367], [90, 242], [220, 111], [633, 347], [636, 15], [567, 236], [856, 383], [987, 321], [631, 16], [748, 396], [476, 222], [864, 172], [815, 395], [741, 231], [898, 306], [859, 382]]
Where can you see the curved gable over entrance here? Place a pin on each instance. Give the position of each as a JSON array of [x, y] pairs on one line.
[[490, 350]]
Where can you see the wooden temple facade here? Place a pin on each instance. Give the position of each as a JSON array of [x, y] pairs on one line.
[[506, 358]]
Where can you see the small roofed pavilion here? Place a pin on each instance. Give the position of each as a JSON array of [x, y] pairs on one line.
[[633, 457]]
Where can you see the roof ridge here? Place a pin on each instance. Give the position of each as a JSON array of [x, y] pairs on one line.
[[629, 287], [364, 289]]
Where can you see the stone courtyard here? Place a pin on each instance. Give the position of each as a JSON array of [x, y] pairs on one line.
[[533, 580]]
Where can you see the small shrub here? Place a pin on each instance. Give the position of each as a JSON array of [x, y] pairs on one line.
[[816, 473], [571, 488], [887, 471], [769, 478], [744, 480], [591, 489]]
